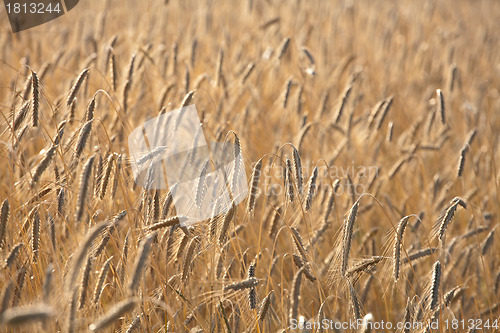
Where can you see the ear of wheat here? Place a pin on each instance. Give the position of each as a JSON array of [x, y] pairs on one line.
[[398, 240], [436, 279], [76, 86], [347, 237], [21, 315], [140, 262], [83, 188], [81, 252], [4, 218], [254, 184], [100, 281], [35, 82], [113, 314]]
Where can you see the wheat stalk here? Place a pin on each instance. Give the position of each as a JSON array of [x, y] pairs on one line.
[[60, 201], [189, 256], [21, 115], [6, 296], [447, 217], [355, 303], [35, 235], [255, 183], [80, 253], [295, 294], [83, 136], [287, 93], [283, 48], [386, 107], [100, 280], [43, 165], [298, 169], [436, 278], [22, 315], [113, 314], [245, 284], [264, 306], [112, 71], [84, 285], [311, 190], [488, 242], [135, 324], [345, 97], [347, 237], [83, 188], [35, 99], [398, 240], [12, 256], [228, 217], [140, 262], [76, 86], [288, 180], [4, 218]]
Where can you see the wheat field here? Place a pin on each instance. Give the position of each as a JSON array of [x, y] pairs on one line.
[[369, 132]]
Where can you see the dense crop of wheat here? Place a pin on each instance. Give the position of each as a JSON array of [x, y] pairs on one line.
[[370, 139]]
